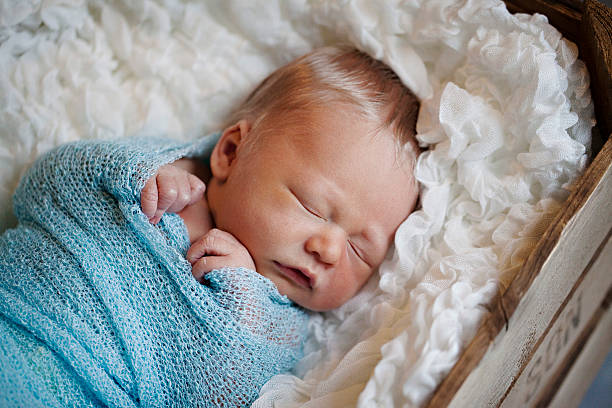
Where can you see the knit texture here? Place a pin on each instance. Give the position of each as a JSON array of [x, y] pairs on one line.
[[98, 307]]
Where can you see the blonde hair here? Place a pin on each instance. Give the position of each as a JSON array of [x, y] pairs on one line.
[[336, 74]]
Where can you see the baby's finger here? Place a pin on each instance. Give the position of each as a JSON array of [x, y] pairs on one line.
[[226, 236], [197, 188], [148, 198], [207, 264], [183, 195], [167, 193], [213, 243]]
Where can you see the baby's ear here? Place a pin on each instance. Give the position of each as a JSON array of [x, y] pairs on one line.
[[224, 154]]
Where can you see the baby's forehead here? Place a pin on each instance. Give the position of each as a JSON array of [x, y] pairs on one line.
[[365, 170], [366, 139], [340, 142], [328, 120]]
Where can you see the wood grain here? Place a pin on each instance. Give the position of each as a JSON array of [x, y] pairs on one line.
[[575, 4], [570, 373], [596, 51], [590, 357]]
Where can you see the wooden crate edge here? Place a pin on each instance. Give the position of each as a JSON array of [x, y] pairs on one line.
[[503, 305], [596, 51]]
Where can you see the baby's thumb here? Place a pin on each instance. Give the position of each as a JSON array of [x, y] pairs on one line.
[[198, 187]]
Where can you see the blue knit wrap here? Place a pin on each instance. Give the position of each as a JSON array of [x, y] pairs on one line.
[[98, 307]]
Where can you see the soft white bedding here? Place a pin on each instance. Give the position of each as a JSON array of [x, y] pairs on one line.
[[506, 108]]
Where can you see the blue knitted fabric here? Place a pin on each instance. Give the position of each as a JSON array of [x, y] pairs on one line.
[[99, 308]]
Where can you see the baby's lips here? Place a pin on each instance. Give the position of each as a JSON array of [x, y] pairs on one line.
[[311, 276], [301, 276]]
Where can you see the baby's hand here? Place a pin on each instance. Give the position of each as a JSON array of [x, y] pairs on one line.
[[215, 250], [170, 190]]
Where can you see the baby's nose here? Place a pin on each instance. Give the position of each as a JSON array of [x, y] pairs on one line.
[[327, 245]]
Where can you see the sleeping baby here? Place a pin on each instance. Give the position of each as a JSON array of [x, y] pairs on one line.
[[292, 206]]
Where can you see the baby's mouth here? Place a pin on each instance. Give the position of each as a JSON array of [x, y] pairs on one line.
[[294, 274]]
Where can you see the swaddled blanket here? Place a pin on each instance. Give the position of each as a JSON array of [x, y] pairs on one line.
[[99, 307]]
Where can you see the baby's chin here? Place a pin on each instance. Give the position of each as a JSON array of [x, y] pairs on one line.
[[286, 288], [316, 303]]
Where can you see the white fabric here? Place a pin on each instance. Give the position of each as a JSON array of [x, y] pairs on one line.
[[506, 105]]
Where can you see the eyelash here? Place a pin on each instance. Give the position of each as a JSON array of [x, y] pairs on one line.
[[306, 208], [357, 252], [312, 212]]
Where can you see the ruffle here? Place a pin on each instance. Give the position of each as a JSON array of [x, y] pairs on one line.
[[506, 112]]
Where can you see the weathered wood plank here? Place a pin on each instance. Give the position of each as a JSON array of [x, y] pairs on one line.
[[596, 51], [586, 213], [588, 362], [575, 4], [539, 380]]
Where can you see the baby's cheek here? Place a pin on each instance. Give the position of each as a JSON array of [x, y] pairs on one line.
[[347, 283], [361, 274], [269, 214]]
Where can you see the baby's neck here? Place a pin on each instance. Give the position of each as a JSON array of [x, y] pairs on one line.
[[197, 219]]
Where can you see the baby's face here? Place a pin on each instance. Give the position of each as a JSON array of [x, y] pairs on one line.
[[316, 204]]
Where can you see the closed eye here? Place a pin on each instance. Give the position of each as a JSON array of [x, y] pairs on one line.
[[307, 208], [357, 252]]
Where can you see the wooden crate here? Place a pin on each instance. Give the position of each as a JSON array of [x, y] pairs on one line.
[[546, 335]]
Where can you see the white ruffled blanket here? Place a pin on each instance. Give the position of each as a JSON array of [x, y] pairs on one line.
[[506, 108]]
